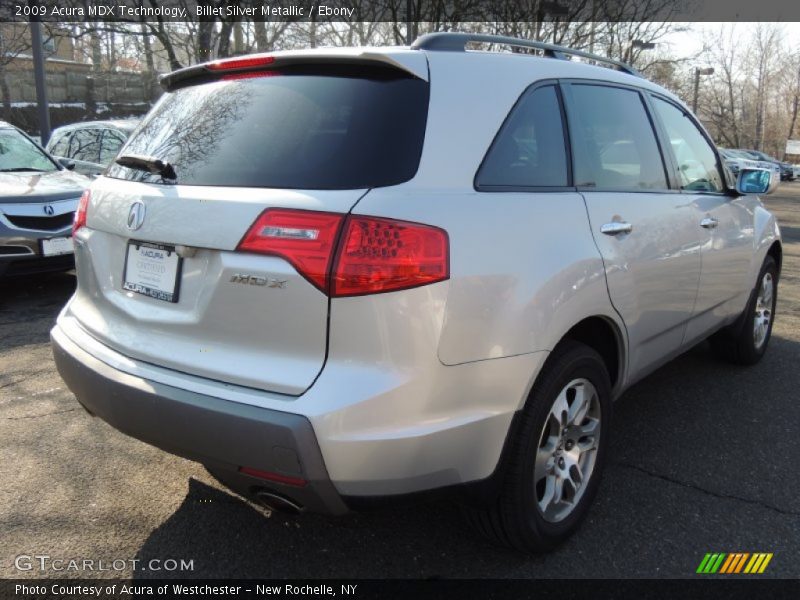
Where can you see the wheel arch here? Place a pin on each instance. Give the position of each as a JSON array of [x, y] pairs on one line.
[[604, 336], [601, 333], [776, 252]]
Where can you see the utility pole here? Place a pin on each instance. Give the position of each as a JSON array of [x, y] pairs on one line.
[[39, 74], [409, 22]]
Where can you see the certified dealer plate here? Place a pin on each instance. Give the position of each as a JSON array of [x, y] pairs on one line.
[[56, 246], [153, 270]]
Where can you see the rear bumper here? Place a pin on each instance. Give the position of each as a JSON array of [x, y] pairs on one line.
[[221, 434]]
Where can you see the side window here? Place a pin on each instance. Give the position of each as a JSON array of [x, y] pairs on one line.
[[112, 141], [614, 140], [61, 147], [530, 150], [697, 163], [85, 145]]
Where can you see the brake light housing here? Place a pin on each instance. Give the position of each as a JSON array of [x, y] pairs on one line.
[[80, 214], [305, 238], [382, 255], [353, 255], [245, 62]]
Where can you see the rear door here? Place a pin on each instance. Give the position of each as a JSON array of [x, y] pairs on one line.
[[161, 278], [647, 233]]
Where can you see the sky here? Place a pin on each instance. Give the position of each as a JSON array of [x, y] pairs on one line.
[[688, 43]]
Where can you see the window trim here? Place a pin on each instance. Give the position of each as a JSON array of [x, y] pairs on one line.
[[572, 116], [726, 191], [493, 188]]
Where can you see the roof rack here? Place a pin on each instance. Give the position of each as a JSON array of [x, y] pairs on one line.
[[457, 42]]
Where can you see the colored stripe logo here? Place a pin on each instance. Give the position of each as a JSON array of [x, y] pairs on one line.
[[733, 563]]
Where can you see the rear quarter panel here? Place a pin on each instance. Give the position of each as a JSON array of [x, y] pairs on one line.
[[524, 266]]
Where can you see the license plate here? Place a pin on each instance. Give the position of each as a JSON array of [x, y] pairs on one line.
[[153, 270], [56, 246]]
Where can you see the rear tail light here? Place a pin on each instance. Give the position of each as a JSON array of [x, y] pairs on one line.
[[304, 238], [381, 255], [372, 254], [80, 214]]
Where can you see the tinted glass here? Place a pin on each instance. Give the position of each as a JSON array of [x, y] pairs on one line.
[[530, 149], [302, 128], [615, 144], [697, 162], [85, 145], [18, 153], [112, 142]]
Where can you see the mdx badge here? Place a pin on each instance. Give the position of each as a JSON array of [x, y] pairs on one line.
[[246, 279]]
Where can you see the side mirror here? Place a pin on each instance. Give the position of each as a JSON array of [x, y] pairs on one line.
[[67, 164], [757, 181]]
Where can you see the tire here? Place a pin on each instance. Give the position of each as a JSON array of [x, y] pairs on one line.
[[520, 516], [743, 343]]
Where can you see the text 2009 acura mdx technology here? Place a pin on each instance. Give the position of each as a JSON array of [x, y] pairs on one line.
[[333, 276]]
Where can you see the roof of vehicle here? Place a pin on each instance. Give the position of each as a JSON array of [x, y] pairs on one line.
[[123, 124], [557, 61]]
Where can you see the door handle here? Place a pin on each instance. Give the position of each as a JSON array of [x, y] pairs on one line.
[[616, 227], [709, 223]]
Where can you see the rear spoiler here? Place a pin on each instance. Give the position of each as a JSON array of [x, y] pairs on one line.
[[408, 61]]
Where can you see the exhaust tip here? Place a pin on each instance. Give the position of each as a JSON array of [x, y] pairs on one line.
[[277, 502]]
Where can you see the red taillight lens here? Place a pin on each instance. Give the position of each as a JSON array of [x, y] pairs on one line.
[[304, 238], [381, 255], [246, 62], [80, 214], [373, 255], [270, 476]]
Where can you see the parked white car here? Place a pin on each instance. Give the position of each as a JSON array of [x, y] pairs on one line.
[[340, 275], [90, 145]]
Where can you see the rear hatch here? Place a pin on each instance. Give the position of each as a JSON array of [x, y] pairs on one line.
[[161, 276]]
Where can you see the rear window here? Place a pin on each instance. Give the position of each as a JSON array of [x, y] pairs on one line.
[[301, 128]]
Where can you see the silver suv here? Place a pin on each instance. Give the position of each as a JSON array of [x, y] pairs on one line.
[[342, 275]]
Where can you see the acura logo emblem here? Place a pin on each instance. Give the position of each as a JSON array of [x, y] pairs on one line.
[[136, 216], [49, 210]]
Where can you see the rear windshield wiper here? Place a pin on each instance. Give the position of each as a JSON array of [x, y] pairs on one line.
[[29, 169], [151, 164]]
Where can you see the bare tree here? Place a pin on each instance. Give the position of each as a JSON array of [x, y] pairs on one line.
[[794, 97], [767, 39], [14, 40]]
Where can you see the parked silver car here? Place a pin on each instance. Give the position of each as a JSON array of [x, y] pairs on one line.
[[38, 198], [342, 275], [91, 145]]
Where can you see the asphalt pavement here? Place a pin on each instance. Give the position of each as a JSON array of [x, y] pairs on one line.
[[704, 458]]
